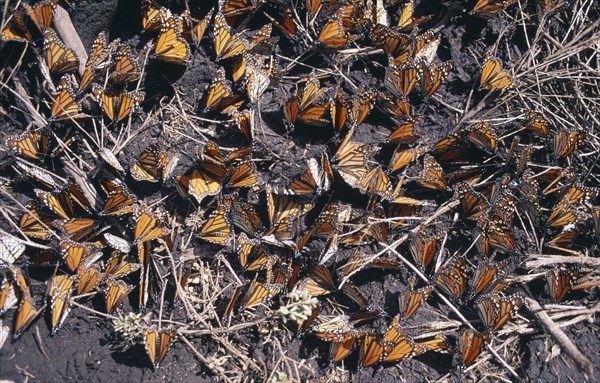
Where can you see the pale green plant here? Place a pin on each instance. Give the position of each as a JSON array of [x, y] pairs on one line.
[[129, 326]]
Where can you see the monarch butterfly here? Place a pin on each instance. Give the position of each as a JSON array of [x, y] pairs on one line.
[[563, 280], [449, 150], [75, 228], [148, 226], [126, 67], [405, 53], [396, 106], [432, 176], [493, 76], [217, 228], [245, 123], [233, 301], [150, 281], [334, 34], [314, 114], [257, 81], [117, 106], [495, 310], [98, 62], [333, 329], [15, 30], [400, 80], [242, 175], [118, 202], [151, 19], [20, 280], [356, 298], [10, 249], [318, 282], [351, 160], [527, 195], [157, 343], [118, 266], [78, 254], [473, 203], [59, 58], [339, 109], [439, 343], [111, 159], [59, 290], [244, 216], [407, 21], [566, 141], [41, 14], [259, 293], [311, 93], [411, 300], [33, 145], [150, 164], [402, 157], [88, 278], [424, 249], [470, 346], [199, 27], [8, 298], [535, 122], [371, 351], [65, 105], [280, 207], [74, 194], [405, 133], [579, 192], [209, 178], [564, 238], [252, 255], [376, 182], [287, 25], [493, 233], [219, 97], [361, 107], [338, 351], [58, 202], [26, 314], [483, 136], [32, 224], [371, 231], [422, 49], [403, 348], [170, 46], [451, 278], [304, 107], [314, 181], [390, 40], [488, 277], [565, 213], [433, 77], [115, 293], [488, 8], [233, 9], [213, 153], [226, 43]]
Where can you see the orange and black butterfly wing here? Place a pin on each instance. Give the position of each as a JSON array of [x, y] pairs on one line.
[[59, 58], [170, 46]]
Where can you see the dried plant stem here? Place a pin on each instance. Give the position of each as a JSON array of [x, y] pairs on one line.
[[551, 328]]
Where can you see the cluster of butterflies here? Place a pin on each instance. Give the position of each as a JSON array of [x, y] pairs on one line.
[[103, 240], [111, 63]]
